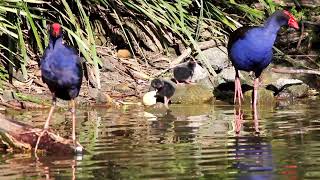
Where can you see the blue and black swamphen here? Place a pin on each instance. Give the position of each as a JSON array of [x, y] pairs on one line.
[[62, 71], [250, 48]]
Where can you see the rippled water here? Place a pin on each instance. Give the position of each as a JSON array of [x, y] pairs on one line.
[[190, 142]]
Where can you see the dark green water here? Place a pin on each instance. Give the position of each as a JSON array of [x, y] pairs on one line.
[[195, 142]]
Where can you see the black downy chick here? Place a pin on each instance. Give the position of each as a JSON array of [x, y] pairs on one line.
[[165, 89], [183, 73]]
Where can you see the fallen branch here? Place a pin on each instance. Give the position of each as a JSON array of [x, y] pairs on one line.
[[10, 106], [22, 137], [295, 71]]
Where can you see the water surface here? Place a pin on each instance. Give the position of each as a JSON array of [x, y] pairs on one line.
[[190, 142]]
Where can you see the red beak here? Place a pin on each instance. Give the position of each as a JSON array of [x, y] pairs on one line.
[[293, 23]]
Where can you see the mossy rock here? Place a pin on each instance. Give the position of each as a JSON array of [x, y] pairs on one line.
[[265, 97], [192, 94], [298, 91]]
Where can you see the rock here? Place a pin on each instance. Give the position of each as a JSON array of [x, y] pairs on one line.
[[228, 74], [269, 77], [265, 97], [294, 91], [192, 94], [199, 73], [282, 83], [217, 57], [201, 77], [206, 83]]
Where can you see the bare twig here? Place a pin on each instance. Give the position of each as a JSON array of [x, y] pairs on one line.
[[10, 106], [301, 36], [303, 55], [295, 71]]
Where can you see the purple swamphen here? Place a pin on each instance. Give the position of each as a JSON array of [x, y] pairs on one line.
[[250, 48], [62, 71], [183, 73], [165, 89]]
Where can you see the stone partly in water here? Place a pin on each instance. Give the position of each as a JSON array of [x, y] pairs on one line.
[[192, 94], [265, 97], [294, 91]]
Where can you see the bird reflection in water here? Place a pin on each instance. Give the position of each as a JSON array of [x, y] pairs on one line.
[[44, 165], [253, 157], [253, 154], [238, 119]]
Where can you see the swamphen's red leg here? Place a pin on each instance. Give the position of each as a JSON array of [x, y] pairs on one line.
[[73, 111], [255, 93], [46, 125], [256, 84], [237, 89]]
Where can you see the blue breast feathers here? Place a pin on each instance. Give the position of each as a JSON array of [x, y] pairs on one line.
[[61, 71], [253, 52]]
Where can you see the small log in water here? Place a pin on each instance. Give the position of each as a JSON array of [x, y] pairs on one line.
[[21, 137]]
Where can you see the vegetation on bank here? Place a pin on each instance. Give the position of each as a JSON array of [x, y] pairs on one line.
[[138, 25]]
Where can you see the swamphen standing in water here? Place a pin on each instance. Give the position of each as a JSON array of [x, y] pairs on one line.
[[164, 88], [183, 73], [250, 48], [62, 71]]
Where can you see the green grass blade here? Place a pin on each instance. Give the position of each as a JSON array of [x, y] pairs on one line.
[[23, 51], [34, 28]]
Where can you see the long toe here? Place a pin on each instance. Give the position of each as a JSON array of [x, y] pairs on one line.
[[238, 96], [39, 138]]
